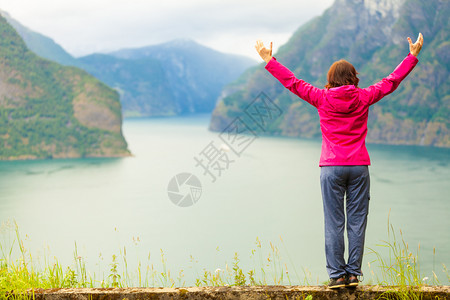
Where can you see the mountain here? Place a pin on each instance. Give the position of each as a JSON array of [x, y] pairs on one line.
[[173, 78], [40, 44], [169, 79], [53, 111], [371, 34]]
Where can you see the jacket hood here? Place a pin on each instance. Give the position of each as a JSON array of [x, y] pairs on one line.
[[343, 99]]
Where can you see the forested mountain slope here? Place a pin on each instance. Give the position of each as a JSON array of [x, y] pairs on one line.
[[51, 111]]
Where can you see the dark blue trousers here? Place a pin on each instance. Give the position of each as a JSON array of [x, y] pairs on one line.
[[354, 183]]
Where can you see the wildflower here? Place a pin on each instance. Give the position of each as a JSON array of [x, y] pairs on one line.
[[218, 270], [425, 279]]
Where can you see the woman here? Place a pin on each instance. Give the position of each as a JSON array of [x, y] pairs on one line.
[[343, 109]]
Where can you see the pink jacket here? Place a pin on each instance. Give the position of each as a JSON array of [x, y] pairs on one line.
[[343, 111]]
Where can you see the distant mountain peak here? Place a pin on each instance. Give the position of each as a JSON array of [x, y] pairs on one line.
[[176, 43], [181, 42]]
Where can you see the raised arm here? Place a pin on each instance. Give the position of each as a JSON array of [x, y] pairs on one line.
[[390, 83], [301, 88]]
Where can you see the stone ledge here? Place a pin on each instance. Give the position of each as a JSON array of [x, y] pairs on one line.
[[235, 292]]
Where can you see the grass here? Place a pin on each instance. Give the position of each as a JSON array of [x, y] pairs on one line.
[[400, 268], [19, 272]]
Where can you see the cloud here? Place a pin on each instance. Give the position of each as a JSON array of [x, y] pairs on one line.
[[86, 26]]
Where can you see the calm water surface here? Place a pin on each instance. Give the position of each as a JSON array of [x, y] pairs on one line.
[[271, 191]]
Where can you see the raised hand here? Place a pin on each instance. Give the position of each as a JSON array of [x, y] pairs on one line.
[[265, 53], [415, 48]]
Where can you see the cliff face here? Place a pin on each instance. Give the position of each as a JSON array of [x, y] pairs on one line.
[[372, 35], [51, 111]]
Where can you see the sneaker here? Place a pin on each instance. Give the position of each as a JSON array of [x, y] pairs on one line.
[[337, 282], [352, 280]]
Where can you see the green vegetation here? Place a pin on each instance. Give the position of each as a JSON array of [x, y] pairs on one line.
[[417, 113], [37, 107], [401, 269], [21, 272]]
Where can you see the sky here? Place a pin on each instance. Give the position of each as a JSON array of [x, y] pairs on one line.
[[83, 27]]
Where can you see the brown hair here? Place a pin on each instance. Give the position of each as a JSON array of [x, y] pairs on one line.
[[340, 73]]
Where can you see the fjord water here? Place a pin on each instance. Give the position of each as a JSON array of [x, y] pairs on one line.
[[109, 206]]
